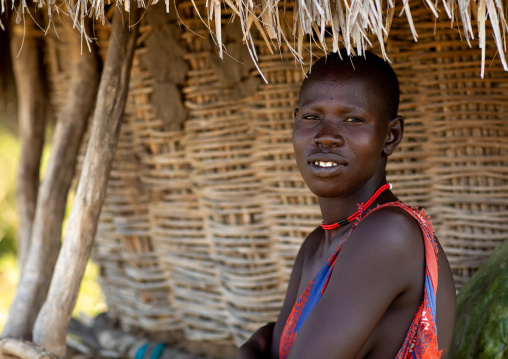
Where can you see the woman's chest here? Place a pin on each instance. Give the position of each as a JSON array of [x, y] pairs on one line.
[[317, 265]]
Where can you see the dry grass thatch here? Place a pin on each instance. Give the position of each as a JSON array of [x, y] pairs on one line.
[[353, 23]]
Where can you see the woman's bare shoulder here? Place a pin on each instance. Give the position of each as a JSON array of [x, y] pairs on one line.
[[391, 228]]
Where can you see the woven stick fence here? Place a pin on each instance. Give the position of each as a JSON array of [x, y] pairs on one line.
[[206, 209]]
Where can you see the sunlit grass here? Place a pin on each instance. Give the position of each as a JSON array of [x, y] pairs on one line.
[[9, 155], [9, 274], [90, 301]]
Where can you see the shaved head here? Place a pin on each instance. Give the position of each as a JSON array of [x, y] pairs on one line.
[[376, 73]]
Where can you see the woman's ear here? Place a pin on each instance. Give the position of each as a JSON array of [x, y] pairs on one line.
[[394, 135]]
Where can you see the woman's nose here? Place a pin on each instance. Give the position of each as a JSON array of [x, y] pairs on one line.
[[328, 136]]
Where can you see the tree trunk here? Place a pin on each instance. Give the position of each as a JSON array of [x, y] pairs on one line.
[[7, 86], [51, 324], [28, 73], [52, 197]]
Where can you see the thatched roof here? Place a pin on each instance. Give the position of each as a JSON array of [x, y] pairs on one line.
[[354, 24]]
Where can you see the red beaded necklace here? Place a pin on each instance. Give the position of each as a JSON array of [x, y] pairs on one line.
[[352, 217]]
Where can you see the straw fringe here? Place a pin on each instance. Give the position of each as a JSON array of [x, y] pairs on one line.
[[353, 23]]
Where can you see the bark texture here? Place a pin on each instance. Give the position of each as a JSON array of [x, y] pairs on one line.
[[52, 197], [17, 349], [51, 324], [8, 101], [27, 58]]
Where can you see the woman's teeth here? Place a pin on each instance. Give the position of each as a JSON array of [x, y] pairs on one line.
[[325, 164]]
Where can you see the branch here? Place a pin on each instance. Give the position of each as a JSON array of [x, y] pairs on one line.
[[50, 326]]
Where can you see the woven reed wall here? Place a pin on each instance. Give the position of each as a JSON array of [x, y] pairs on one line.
[[462, 153], [206, 210]]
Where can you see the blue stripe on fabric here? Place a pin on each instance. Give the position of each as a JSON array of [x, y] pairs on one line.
[[315, 295], [430, 295]]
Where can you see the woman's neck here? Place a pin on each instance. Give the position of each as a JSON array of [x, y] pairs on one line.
[[341, 210]]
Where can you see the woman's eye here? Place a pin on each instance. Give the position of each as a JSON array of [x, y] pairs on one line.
[[353, 120]]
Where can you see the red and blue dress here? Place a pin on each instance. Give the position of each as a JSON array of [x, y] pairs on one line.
[[421, 339]]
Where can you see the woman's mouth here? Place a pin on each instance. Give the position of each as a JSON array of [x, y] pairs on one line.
[[325, 164], [326, 168]]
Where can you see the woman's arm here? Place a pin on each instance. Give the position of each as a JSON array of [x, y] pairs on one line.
[[258, 345], [380, 261]]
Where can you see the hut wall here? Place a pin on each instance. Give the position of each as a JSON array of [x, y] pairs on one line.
[[206, 209], [459, 151]]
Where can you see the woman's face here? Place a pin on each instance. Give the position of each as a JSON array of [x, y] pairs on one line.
[[339, 135]]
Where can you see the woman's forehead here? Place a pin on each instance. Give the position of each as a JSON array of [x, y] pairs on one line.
[[345, 88], [380, 84]]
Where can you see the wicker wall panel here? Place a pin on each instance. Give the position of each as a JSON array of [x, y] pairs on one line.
[[464, 150], [135, 283], [220, 138], [468, 139], [135, 275], [290, 209]]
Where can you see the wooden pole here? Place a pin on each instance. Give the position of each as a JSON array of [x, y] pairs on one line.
[[11, 348], [30, 90], [51, 324], [8, 107], [52, 196]]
